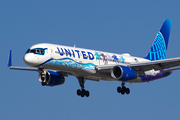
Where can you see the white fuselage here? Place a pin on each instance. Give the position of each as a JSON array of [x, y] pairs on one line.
[[79, 62]]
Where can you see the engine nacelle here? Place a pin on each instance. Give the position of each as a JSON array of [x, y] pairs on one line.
[[51, 78], [123, 73]]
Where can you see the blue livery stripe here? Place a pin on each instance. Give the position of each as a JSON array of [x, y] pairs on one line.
[[67, 62]]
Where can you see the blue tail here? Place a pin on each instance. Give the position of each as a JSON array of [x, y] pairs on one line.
[[160, 44]]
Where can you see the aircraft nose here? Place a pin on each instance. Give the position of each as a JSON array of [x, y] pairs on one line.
[[29, 59]]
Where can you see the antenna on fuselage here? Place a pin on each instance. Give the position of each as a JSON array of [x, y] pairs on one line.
[[74, 46]]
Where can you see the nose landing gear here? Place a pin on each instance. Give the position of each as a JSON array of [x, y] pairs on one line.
[[123, 89]]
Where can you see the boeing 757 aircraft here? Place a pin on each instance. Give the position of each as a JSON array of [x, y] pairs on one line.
[[54, 62]]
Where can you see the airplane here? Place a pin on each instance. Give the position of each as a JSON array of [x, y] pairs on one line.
[[54, 62]]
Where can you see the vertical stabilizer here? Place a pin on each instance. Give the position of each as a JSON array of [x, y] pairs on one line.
[[160, 44]]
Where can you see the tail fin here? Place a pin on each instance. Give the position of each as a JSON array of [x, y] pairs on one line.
[[160, 44]]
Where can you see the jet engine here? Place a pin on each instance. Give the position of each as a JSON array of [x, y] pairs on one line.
[[51, 78], [123, 73]]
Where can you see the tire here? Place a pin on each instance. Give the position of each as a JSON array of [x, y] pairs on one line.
[[83, 92], [123, 90], [82, 95], [43, 83], [127, 90], [119, 89], [78, 92], [87, 94]]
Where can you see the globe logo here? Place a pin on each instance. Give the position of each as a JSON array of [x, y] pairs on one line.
[[158, 49]]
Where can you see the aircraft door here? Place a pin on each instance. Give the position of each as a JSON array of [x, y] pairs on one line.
[[50, 52]]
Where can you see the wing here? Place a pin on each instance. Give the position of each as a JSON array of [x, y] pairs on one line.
[[24, 68], [17, 67], [30, 68], [164, 65]]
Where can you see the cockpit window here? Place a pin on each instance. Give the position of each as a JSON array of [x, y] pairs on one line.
[[36, 51]]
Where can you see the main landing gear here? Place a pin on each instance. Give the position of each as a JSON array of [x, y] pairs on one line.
[[82, 92], [123, 89]]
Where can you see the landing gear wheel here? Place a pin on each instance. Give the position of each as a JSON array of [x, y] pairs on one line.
[[123, 89], [87, 93], [127, 90], [119, 89], [43, 83], [78, 92], [83, 93]]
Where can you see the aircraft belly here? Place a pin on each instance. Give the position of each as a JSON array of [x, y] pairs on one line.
[[88, 71], [138, 80], [87, 74]]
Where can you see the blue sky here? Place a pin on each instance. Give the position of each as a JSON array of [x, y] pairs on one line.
[[119, 26]]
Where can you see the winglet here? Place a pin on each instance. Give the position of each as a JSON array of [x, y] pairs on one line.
[[10, 59]]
